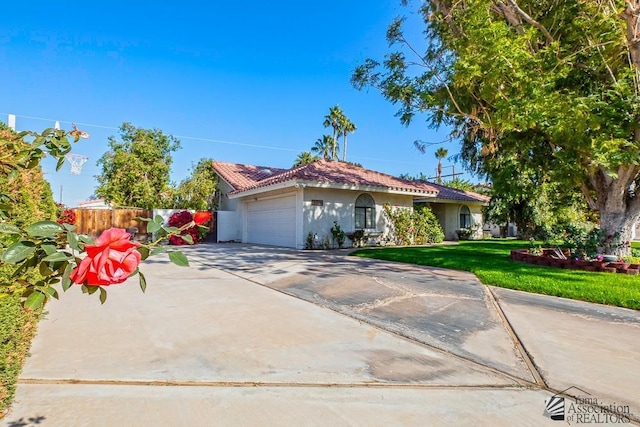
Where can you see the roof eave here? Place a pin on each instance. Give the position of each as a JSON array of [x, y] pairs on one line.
[[331, 186]]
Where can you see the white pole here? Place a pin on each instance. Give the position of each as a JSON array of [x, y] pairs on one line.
[[12, 121]]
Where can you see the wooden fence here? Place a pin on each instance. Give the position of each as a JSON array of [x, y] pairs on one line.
[[95, 221]]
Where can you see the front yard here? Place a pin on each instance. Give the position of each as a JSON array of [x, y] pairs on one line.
[[489, 260]]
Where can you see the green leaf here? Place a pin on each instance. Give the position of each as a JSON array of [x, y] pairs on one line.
[[72, 240], [179, 259], [50, 292], [60, 163], [13, 175], [49, 248], [66, 281], [158, 250], [44, 269], [152, 227], [187, 238], [91, 289], [143, 282], [170, 230], [9, 228], [69, 227], [158, 220], [44, 229], [144, 252], [19, 251], [34, 301], [58, 256], [103, 295]]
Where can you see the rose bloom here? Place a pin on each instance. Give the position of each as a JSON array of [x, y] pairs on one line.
[[110, 261], [202, 217]]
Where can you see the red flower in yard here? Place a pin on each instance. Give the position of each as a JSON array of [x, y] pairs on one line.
[[110, 261], [179, 219], [201, 218]]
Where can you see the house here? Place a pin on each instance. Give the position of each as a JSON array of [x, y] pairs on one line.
[[281, 207]]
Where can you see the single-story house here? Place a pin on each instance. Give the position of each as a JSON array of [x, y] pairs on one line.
[[281, 207]]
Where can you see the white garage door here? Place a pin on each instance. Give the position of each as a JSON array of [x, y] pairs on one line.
[[272, 222]]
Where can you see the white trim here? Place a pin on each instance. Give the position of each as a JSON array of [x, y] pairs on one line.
[[333, 186]]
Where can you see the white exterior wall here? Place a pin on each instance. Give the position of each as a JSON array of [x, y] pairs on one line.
[[229, 214], [339, 205], [449, 216]]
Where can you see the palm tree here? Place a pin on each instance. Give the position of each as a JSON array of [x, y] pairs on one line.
[[305, 158], [441, 153], [324, 147], [347, 127], [334, 119]]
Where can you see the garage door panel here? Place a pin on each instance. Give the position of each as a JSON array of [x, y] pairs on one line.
[[272, 222]]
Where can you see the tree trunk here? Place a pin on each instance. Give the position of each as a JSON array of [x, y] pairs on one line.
[[344, 149], [618, 227]]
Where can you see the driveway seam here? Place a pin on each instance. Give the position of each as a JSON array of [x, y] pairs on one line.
[[363, 319], [533, 368]]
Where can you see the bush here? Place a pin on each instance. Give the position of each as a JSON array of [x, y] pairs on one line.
[[417, 226], [180, 219], [338, 234], [16, 331], [65, 215]]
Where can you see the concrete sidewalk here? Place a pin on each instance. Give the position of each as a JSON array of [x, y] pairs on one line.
[[265, 336]]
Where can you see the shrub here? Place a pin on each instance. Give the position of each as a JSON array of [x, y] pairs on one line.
[[413, 226], [65, 215], [180, 219], [338, 234]]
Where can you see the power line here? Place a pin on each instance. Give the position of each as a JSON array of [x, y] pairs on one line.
[[218, 141]]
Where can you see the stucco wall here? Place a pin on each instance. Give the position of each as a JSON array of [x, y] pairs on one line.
[[449, 216], [339, 205]]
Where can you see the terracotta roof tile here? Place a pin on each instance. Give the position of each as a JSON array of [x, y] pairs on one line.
[[245, 177], [241, 176], [448, 193], [248, 177]]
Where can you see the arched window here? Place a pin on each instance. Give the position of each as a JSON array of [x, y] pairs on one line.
[[365, 212], [465, 217]]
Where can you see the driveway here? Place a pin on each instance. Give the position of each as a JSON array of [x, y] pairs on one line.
[[254, 335]]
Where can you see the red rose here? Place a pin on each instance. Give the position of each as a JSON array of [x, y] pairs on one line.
[[110, 261], [202, 217]]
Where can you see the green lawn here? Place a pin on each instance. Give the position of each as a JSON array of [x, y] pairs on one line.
[[489, 260]]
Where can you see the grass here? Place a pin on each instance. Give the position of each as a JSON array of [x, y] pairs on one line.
[[489, 260]]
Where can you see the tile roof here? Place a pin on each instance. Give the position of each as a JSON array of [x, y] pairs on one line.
[[245, 177], [448, 193], [248, 177]]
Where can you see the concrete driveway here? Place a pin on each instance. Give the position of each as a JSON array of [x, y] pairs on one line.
[[254, 335]]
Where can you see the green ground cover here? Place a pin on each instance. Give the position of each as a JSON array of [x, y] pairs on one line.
[[489, 260]]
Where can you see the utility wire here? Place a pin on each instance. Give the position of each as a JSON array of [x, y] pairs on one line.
[[219, 141]]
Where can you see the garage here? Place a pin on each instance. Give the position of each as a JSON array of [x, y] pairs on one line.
[[272, 221]]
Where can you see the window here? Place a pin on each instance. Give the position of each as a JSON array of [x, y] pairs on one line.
[[465, 217], [365, 212]]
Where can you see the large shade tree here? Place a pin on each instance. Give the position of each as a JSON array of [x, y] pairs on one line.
[[136, 171], [546, 85], [197, 191]]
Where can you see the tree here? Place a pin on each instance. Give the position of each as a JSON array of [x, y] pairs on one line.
[[325, 147], [136, 170], [334, 119], [305, 158], [197, 192], [540, 84], [347, 127], [441, 153]]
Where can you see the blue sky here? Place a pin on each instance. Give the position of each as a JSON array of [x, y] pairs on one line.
[[229, 79]]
